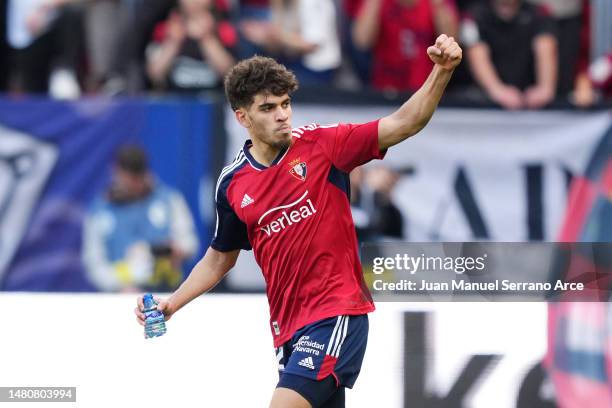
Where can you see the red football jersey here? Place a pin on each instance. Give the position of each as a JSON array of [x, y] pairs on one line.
[[295, 215], [400, 53]]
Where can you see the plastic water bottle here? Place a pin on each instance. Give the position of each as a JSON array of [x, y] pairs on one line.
[[155, 324]]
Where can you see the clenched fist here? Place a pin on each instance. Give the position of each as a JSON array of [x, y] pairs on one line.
[[446, 52]]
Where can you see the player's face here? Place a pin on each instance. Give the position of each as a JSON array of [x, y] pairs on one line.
[[268, 119]]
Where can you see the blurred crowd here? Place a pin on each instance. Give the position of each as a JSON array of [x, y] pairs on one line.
[[519, 54]]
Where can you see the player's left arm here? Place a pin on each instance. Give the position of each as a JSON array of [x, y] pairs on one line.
[[414, 114]]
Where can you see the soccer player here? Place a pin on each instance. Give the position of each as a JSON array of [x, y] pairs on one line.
[[285, 197]]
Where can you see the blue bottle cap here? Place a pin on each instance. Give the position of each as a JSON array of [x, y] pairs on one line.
[[148, 301]]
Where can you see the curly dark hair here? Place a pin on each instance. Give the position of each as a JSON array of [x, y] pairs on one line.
[[254, 75]]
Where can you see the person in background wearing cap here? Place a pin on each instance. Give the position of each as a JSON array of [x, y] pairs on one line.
[[137, 234]]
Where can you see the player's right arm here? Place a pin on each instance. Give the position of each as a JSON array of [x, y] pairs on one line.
[[230, 237], [203, 277]]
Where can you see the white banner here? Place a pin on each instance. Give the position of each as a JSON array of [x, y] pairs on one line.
[[218, 352]]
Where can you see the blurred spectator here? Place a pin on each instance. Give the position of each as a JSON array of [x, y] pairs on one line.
[[137, 21], [600, 75], [139, 232], [195, 51], [512, 52], [594, 72], [45, 36], [101, 38], [601, 18], [308, 37], [572, 32], [253, 19], [360, 60], [399, 32], [583, 94], [375, 215]]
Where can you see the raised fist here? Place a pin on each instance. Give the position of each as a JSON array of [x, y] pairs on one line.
[[446, 52]]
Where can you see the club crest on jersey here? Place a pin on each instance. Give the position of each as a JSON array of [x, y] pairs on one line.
[[298, 169]]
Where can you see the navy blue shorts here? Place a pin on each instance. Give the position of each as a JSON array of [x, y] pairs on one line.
[[329, 347]]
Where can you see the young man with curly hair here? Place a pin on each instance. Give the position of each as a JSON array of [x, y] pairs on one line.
[[285, 196]]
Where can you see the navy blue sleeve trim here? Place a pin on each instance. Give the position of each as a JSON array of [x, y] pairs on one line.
[[341, 180], [230, 231]]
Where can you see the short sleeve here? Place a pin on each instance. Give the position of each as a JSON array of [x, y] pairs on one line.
[[469, 31], [230, 231], [351, 145]]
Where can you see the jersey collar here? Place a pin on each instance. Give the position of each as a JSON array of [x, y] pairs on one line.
[[255, 163]]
